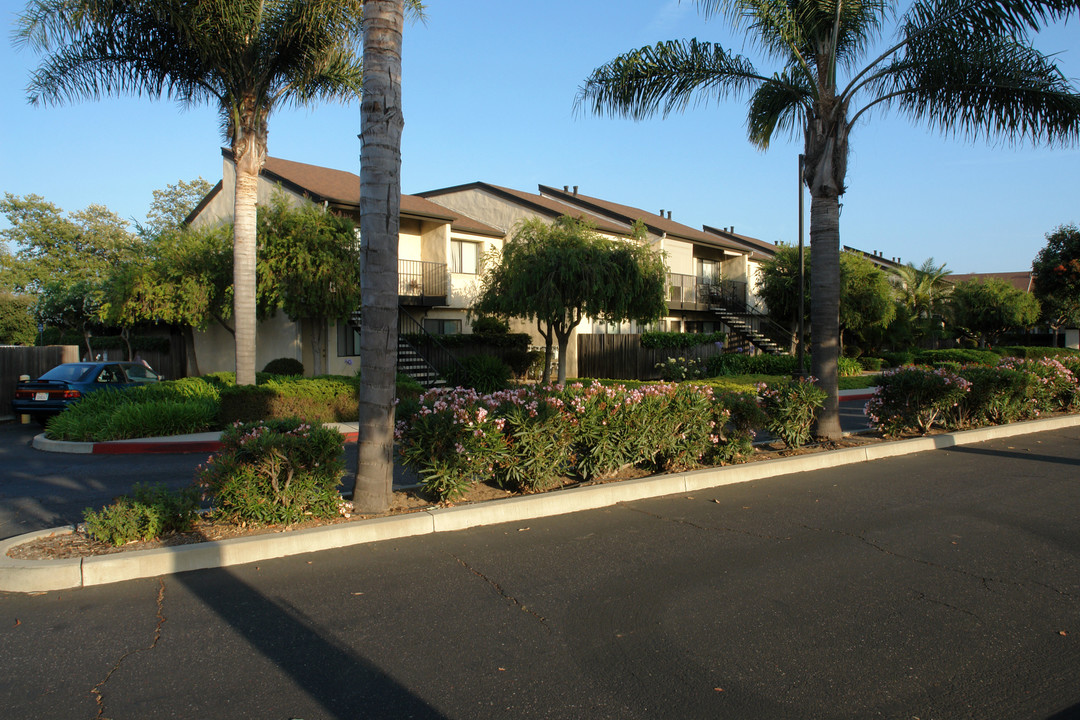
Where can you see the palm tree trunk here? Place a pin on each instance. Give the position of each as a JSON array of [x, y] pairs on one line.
[[380, 202], [249, 161], [825, 308]]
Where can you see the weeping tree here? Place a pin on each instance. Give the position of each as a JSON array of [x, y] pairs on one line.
[[244, 57], [558, 274], [965, 67]]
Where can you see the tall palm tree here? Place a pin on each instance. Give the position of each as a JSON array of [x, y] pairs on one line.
[[246, 57], [963, 66], [381, 124]]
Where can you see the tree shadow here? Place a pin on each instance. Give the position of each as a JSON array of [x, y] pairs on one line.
[[346, 685], [1015, 455]]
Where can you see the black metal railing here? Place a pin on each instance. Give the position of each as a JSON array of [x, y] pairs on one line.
[[411, 331], [691, 292], [422, 283]]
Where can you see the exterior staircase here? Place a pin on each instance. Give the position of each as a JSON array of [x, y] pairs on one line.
[[412, 363], [742, 325]]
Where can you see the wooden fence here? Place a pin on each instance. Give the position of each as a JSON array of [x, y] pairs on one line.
[[17, 360], [621, 357]]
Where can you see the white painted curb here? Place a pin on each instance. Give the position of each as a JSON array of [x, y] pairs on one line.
[[42, 575]]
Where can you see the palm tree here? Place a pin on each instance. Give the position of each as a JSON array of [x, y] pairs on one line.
[[963, 66], [922, 289], [246, 57], [381, 123]]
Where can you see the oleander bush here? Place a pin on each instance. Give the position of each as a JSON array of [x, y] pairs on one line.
[[790, 407], [997, 395], [528, 437], [484, 373], [148, 513], [915, 398], [1054, 387], [275, 471]]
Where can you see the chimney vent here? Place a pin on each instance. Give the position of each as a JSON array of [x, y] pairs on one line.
[[668, 214], [575, 190], [661, 212], [566, 188]]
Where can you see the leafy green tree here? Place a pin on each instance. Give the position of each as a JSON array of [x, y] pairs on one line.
[[985, 310], [961, 66], [71, 306], [1057, 277], [172, 204], [185, 280], [245, 57], [56, 248], [17, 322], [866, 302], [309, 268], [560, 273]]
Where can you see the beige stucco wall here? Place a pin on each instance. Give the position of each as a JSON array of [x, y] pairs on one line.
[[276, 337], [680, 256]]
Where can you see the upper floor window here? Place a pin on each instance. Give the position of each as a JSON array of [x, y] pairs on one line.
[[464, 257], [708, 272]]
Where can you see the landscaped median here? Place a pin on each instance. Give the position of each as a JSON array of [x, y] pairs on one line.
[[43, 575]]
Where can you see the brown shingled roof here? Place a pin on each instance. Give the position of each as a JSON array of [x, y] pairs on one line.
[[1019, 280], [342, 190], [657, 223]]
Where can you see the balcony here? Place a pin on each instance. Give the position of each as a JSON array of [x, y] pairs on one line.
[[690, 292], [423, 284]]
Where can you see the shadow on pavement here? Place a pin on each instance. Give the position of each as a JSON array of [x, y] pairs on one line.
[[1014, 454], [1071, 713], [345, 685]]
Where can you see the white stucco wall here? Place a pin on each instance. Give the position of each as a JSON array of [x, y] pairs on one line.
[[277, 337]]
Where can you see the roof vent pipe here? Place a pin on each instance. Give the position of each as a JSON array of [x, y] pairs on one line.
[[566, 188], [575, 190], [668, 214], [732, 229], [661, 212]]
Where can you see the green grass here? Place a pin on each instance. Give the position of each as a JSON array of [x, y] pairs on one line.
[[740, 383]]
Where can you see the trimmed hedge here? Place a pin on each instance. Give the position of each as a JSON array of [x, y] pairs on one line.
[[680, 341], [957, 355], [1019, 351]]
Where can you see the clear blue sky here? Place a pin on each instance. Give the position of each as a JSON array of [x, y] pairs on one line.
[[489, 93]]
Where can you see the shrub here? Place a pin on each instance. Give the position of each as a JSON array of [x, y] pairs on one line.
[[489, 325], [160, 409], [327, 398], [680, 369], [745, 416], [740, 364], [284, 366], [997, 395], [957, 355], [485, 373], [872, 364], [452, 441], [150, 512], [275, 471], [538, 438], [914, 398], [1019, 351], [898, 358], [849, 366], [1054, 387], [790, 408], [679, 340]]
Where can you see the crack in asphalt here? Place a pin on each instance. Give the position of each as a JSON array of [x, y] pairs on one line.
[[983, 579], [505, 595], [922, 596], [96, 690], [683, 521]]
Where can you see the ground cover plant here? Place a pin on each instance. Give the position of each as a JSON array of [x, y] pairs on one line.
[[149, 512]]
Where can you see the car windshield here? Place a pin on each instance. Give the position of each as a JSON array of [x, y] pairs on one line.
[[69, 373]]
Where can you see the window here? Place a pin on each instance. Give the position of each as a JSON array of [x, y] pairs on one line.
[[442, 327], [709, 272], [348, 340], [464, 257]]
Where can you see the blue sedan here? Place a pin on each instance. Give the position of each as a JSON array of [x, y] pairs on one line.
[[68, 383]]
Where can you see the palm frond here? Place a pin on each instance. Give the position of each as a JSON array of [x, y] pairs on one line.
[[665, 78], [975, 85], [778, 106]]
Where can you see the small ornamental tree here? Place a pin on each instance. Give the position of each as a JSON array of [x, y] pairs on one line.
[[560, 273], [309, 267], [17, 326], [1057, 277], [985, 310]]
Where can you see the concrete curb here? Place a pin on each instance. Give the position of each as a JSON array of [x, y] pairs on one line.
[[43, 575]]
